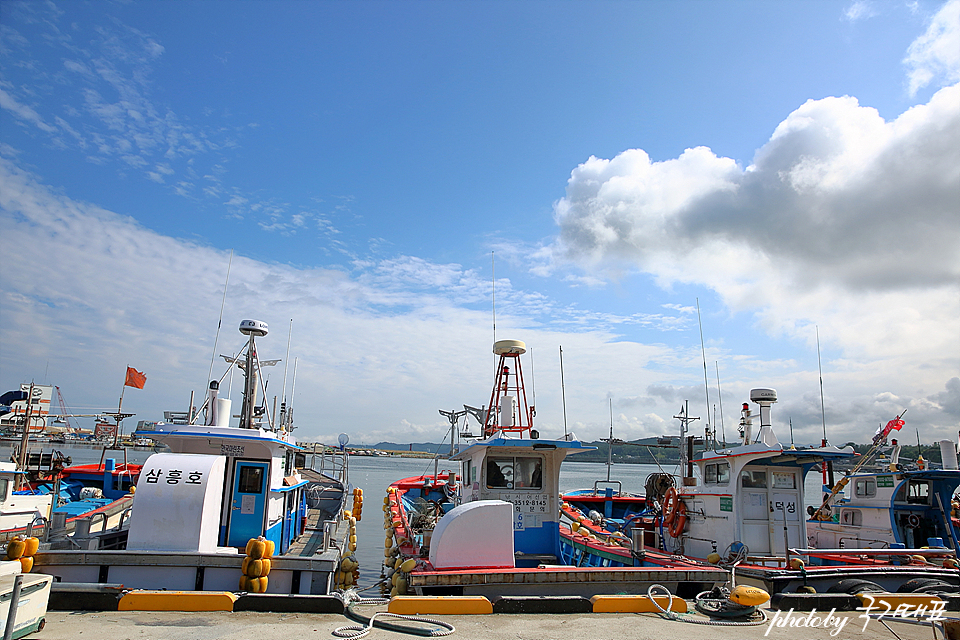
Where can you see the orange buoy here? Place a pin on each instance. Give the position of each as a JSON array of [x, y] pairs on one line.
[[670, 502], [679, 521]]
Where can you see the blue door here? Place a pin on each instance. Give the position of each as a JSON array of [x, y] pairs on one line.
[[249, 499]]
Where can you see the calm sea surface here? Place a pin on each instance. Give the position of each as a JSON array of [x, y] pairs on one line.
[[374, 475]]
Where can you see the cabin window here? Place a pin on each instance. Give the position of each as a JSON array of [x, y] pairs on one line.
[[753, 479], [784, 480], [3, 488], [251, 480], [717, 473], [851, 517], [511, 473], [918, 492], [467, 470], [866, 487]]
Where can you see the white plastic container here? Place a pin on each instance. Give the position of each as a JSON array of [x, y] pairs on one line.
[[32, 606]]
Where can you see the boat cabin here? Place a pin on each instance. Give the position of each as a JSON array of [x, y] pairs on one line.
[[525, 473], [877, 510], [222, 485], [751, 495]]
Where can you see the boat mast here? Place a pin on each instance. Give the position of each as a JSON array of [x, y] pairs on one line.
[[610, 443], [508, 400], [251, 329]]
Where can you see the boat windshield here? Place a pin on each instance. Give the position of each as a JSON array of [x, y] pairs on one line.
[[914, 492], [514, 473]]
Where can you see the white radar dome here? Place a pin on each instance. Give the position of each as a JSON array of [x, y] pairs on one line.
[[501, 347], [253, 328], [763, 395]]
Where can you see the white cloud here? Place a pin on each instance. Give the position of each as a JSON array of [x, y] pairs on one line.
[[935, 56], [22, 111], [859, 10], [377, 349], [843, 220]]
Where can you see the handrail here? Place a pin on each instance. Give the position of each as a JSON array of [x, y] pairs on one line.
[[599, 482], [940, 551]]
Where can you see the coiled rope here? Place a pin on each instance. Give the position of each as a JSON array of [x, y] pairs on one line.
[[672, 615], [354, 632]]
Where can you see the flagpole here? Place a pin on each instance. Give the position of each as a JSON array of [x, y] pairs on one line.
[[116, 432]]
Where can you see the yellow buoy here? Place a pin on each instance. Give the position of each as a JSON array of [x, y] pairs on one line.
[[26, 564], [254, 568], [749, 596], [31, 545], [256, 548], [713, 558], [15, 548], [574, 526], [271, 547], [347, 514], [387, 542], [401, 585], [408, 565], [796, 563]]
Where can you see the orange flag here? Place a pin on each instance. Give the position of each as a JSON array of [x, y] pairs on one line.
[[135, 378]]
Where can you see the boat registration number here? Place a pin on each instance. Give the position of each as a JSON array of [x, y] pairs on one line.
[[529, 510], [231, 449]]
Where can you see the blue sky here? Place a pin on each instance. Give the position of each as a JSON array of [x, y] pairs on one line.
[[789, 165]]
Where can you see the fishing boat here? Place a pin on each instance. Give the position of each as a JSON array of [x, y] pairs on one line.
[[491, 525], [893, 508], [17, 509], [744, 508], [73, 496], [196, 508]]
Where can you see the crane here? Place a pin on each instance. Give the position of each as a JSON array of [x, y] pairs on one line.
[[64, 414]]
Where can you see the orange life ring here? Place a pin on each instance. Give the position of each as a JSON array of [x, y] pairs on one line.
[[676, 529], [671, 500]]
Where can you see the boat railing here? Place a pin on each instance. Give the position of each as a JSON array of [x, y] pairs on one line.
[[124, 516], [38, 520], [333, 463], [934, 552], [596, 486], [885, 543]]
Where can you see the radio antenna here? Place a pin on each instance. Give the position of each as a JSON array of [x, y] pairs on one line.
[[706, 388], [219, 323], [493, 289], [720, 395], [563, 396], [823, 413]]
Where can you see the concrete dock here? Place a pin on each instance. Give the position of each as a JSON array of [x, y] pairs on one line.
[[150, 625]]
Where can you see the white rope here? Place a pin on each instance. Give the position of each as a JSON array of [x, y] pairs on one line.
[[354, 632], [695, 620], [359, 631]]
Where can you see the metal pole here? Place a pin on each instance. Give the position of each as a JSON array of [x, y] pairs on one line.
[[25, 440], [563, 396], [14, 603]]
